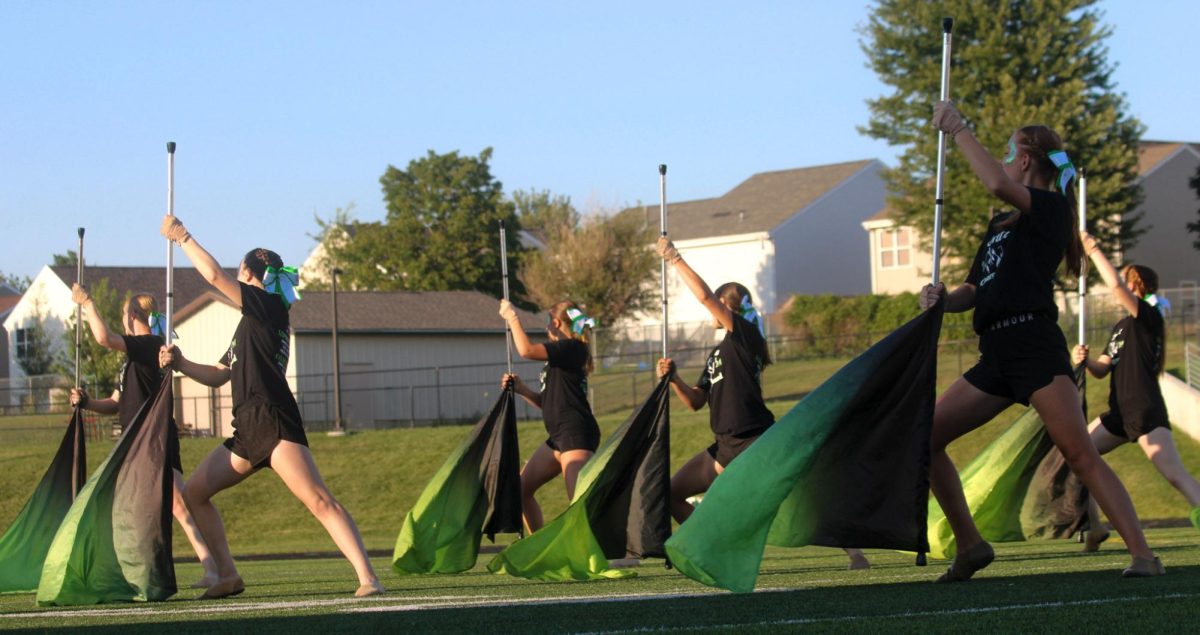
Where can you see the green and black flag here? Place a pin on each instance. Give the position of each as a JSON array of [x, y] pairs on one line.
[[114, 544], [477, 491], [621, 507], [23, 547], [848, 466], [1018, 488]]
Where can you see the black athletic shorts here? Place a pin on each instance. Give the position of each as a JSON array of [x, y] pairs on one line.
[[566, 440], [258, 428], [1019, 356], [728, 446], [173, 446], [1135, 427]]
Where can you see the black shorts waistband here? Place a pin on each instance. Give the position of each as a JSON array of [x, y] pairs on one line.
[[1013, 320]]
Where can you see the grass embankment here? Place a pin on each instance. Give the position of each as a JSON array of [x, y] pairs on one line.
[[378, 475]]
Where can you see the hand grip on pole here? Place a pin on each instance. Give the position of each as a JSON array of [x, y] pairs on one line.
[[947, 26]]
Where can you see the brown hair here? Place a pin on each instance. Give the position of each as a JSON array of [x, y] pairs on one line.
[[143, 304], [258, 259], [1142, 281], [732, 294], [559, 312], [1039, 141]]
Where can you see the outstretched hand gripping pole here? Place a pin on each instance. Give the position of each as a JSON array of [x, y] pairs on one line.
[[947, 25]]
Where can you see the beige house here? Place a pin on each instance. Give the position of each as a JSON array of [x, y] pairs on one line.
[[1164, 169]]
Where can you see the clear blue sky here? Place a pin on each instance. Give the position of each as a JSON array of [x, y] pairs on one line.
[[283, 109]]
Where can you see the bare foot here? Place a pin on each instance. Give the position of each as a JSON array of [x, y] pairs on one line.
[[369, 589], [209, 579], [858, 561], [224, 588]]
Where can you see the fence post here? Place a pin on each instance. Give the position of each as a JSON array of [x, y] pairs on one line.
[[437, 379], [412, 408]]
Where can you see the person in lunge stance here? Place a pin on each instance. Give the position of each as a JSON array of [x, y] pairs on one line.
[[1023, 353], [268, 431], [137, 382], [572, 429], [1135, 357], [731, 385]]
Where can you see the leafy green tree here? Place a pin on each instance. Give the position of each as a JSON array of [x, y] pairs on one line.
[[605, 264], [18, 283], [65, 260], [98, 366], [441, 230], [540, 210], [332, 235], [1195, 227], [1014, 63]]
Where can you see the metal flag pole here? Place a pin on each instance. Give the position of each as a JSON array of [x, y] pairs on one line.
[[79, 310], [1084, 257], [662, 215], [504, 278], [170, 246], [947, 26]]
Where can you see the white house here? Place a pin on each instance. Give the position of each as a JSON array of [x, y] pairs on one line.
[[1164, 169], [778, 233]]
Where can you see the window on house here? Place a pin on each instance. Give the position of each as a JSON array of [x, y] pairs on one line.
[[21, 343], [895, 248]]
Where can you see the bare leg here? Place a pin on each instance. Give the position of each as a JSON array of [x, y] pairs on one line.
[[180, 511], [1159, 446], [695, 477], [959, 410], [572, 461], [295, 466], [1058, 406], [220, 470], [540, 469], [858, 559], [1105, 442]]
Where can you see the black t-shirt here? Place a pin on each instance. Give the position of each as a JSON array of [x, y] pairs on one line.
[[258, 354], [1015, 267], [564, 386], [140, 375], [1136, 347], [732, 380]]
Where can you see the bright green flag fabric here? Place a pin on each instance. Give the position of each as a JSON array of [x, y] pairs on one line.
[[621, 507], [115, 542], [23, 547], [477, 491], [848, 466]]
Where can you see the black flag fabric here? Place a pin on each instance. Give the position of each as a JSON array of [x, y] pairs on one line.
[[848, 466], [24, 546], [114, 545], [476, 492], [621, 506]]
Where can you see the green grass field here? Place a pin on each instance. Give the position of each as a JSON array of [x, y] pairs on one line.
[[378, 475]]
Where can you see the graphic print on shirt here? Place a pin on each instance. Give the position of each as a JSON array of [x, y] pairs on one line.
[[285, 350], [232, 351], [714, 372], [994, 256], [1115, 344], [542, 380]]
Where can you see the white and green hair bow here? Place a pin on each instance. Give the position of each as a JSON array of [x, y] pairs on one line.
[[751, 315], [1066, 169], [579, 321], [158, 325], [282, 281]]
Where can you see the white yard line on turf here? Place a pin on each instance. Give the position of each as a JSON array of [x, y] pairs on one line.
[[907, 614], [498, 602], [147, 609]]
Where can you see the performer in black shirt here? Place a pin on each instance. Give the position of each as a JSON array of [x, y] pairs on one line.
[[137, 382], [731, 385], [267, 428], [1135, 356], [1023, 354], [573, 432]]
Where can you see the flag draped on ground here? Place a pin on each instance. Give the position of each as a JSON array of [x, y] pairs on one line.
[[115, 542], [621, 506], [848, 466], [1018, 488], [477, 491], [23, 547]]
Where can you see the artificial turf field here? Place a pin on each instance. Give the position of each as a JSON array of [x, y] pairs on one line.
[[1046, 586]]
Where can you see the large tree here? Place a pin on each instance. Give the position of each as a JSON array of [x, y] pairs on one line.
[[1014, 63], [17, 282], [1195, 227], [441, 231], [542, 211], [605, 264]]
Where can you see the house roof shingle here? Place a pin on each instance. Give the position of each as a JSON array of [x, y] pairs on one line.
[[189, 284], [1151, 153], [760, 203]]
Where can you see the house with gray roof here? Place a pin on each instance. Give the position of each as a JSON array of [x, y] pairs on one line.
[[778, 233]]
